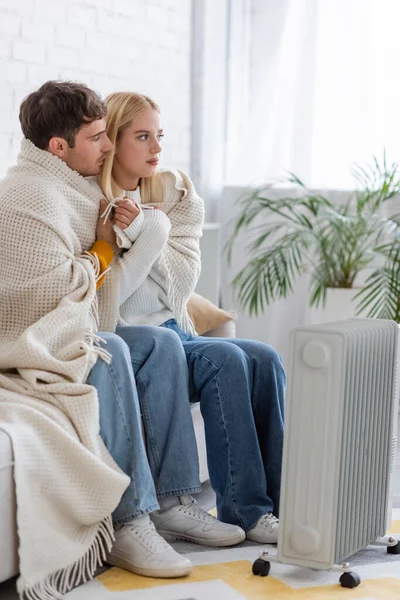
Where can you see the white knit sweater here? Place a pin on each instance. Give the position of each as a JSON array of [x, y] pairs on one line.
[[160, 270], [149, 303], [67, 485]]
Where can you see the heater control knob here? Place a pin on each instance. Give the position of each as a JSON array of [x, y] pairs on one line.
[[316, 355]]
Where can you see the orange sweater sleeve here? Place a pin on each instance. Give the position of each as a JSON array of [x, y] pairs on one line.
[[104, 253]]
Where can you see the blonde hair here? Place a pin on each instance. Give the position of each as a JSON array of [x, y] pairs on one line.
[[122, 109]]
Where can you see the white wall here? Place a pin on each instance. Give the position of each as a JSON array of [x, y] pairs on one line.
[[209, 75], [112, 45]]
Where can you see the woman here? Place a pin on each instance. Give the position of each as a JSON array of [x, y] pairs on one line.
[[240, 383]]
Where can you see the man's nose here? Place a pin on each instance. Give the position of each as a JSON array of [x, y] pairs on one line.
[[108, 145]]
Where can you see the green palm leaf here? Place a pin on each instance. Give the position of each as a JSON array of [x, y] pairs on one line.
[[270, 274], [381, 293], [335, 242]]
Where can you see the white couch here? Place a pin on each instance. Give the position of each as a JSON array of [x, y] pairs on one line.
[[8, 535], [8, 531]]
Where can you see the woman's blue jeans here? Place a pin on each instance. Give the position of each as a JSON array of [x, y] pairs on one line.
[[155, 359], [240, 385]]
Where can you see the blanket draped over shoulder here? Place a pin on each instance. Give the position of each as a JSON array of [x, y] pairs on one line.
[[67, 485], [163, 251]]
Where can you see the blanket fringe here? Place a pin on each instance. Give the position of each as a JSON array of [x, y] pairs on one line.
[[95, 341], [56, 585], [94, 260], [110, 206]]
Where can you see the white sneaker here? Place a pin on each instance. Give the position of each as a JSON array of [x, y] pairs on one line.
[[265, 531], [140, 549], [187, 521]]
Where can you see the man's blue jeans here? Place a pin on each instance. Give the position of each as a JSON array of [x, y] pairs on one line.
[[240, 385], [155, 358]]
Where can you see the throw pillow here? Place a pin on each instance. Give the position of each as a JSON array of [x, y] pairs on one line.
[[206, 315]]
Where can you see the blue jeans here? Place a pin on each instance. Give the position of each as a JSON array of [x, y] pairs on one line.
[[240, 385], [170, 466]]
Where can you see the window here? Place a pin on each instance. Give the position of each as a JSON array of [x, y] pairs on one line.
[[313, 86]]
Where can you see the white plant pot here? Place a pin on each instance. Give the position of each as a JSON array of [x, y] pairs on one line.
[[339, 305]]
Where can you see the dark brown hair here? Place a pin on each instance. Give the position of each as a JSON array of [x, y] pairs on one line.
[[59, 109]]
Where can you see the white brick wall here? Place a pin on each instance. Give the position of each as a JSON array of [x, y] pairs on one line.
[[112, 45]]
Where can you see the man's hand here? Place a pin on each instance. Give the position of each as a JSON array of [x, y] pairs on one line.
[[126, 212], [104, 231]]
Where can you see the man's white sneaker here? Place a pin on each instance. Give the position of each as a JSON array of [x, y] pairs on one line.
[[187, 521], [265, 531], [140, 549]]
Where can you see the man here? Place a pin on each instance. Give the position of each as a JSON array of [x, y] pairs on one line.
[[52, 357]]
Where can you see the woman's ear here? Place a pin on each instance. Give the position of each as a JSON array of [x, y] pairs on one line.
[[58, 146]]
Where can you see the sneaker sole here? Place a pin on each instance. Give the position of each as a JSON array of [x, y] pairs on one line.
[[262, 541], [164, 573], [221, 543]]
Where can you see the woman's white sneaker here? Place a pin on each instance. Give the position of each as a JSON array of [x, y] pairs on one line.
[[266, 530], [187, 521], [140, 549]]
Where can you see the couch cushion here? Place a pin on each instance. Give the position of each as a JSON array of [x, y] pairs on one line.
[[205, 315], [8, 535]]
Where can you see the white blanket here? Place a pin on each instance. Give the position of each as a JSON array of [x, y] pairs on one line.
[[67, 485], [162, 262]]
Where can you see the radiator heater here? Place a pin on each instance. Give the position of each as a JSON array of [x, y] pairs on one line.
[[340, 445]]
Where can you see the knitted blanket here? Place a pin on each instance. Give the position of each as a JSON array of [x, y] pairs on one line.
[[67, 485], [180, 263], [163, 254]]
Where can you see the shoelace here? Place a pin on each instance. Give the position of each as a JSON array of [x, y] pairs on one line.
[[194, 510], [269, 520], [150, 537]]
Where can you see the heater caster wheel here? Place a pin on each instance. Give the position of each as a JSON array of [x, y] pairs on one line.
[[394, 549], [261, 567], [350, 580]]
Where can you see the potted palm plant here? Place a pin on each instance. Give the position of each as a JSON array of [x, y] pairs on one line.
[[334, 243]]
